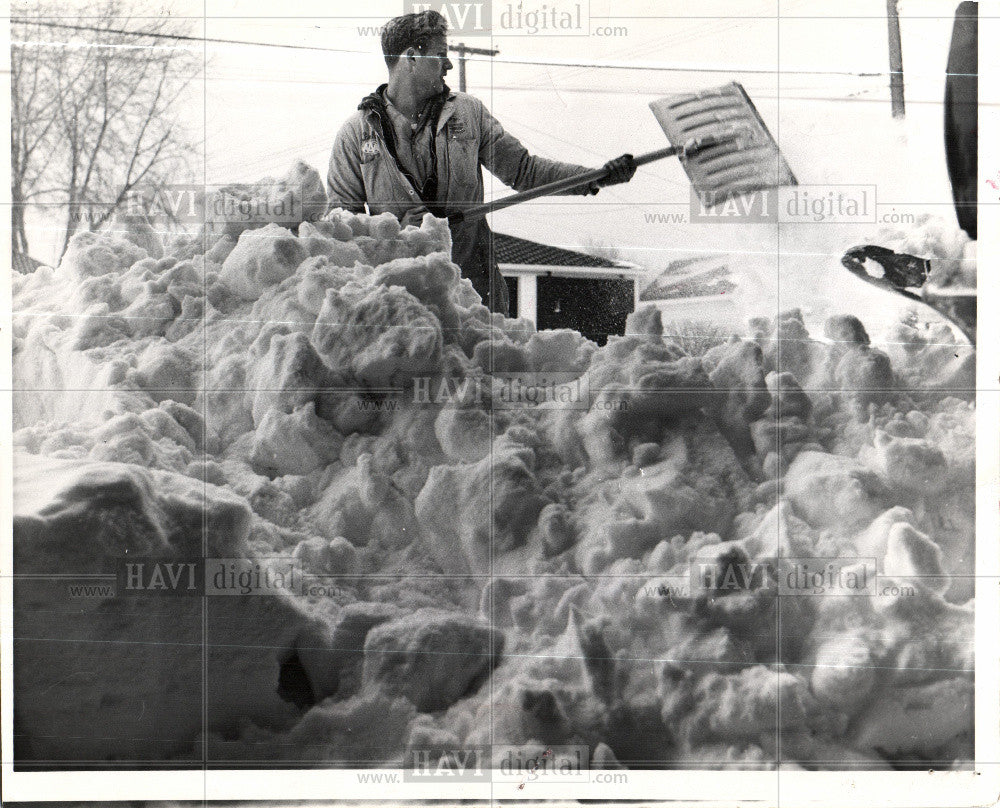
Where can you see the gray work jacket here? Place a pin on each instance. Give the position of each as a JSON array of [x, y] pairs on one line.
[[363, 173]]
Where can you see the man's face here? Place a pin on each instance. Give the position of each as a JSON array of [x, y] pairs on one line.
[[430, 68]]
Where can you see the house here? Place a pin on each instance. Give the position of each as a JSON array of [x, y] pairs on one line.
[[560, 288], [700, 287]]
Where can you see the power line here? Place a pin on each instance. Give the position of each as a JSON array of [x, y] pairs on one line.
[[657, 67], [660, 43], [323, 141], [609, 91], [675, 68], [179, 37]]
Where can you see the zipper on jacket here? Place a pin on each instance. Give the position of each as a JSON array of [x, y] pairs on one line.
[[404, 183]]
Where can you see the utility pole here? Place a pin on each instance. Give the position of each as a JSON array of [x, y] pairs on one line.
[[895, 60], [461, 49]]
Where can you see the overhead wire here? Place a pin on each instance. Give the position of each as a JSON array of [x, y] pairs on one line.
[[663, 67], [161, 35], [710, 28]]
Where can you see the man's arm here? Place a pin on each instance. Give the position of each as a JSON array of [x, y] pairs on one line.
[[507, 158], [346, 188]]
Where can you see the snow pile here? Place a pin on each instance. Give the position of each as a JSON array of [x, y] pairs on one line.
[[338, 397], [231, 209]]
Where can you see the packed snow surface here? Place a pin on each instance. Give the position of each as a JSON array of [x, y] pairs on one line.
[[602, 569]]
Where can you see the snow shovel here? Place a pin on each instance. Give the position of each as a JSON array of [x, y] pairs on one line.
[[718, 135], [912, 278], [746, 158]]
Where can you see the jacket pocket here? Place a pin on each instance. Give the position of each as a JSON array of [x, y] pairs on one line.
[[385, 188], [463, 167]]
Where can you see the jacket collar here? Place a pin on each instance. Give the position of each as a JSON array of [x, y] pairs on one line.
[[447, 110], [374, 102]]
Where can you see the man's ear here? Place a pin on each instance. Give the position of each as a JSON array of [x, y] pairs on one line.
[[411, 56]]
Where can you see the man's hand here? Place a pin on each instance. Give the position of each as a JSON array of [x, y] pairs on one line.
[[620, 170], [413, 216]]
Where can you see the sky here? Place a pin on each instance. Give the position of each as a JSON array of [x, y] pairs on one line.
[[257, 108]]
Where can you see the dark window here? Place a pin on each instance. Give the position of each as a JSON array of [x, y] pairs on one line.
[[512, 292], [596, 307]]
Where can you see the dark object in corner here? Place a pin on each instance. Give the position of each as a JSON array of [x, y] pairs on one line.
[[961, 114]]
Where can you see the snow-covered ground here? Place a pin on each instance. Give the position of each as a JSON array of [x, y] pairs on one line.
[[612, 568]]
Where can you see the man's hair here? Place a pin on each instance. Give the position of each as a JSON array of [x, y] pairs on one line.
[[411, 31]]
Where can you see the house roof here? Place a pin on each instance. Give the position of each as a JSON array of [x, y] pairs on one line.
[[700, 276], [513, 250]]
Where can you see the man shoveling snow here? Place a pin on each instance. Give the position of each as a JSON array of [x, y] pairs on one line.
[[415, 146]]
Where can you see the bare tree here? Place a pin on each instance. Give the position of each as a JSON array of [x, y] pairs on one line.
[[94, 110]]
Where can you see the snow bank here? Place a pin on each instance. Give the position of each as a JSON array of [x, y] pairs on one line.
[[339, 398]]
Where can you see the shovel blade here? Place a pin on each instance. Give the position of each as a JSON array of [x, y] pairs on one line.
[[744, 157]]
